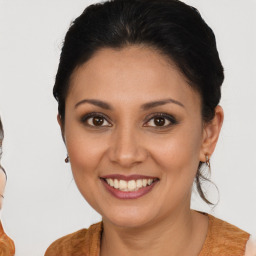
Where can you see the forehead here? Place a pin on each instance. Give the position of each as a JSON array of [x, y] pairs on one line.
[[135, 70], [132, 59]]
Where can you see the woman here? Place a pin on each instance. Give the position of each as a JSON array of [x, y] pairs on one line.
[[6, 244], [138, 87]]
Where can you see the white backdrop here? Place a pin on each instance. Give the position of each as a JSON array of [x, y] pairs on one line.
[[42, 202]]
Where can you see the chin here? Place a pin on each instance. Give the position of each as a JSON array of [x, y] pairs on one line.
[[129, 218]]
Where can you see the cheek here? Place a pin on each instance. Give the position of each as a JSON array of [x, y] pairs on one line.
[[2, 182], [178, 154], [178, 159], [84, 152]]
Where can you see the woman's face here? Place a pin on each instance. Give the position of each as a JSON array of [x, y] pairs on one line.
[[134, 135]]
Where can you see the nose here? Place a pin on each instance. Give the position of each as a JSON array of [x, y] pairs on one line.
[[126, 148]]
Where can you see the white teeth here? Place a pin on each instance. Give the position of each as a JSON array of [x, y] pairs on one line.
[[122, 184], [116, 183], [150, 181], [139, 183], [111, 182], [131, 185]]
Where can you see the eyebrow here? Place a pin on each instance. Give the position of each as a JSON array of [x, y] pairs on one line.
[[145, 106], [97, 103], [154, 104]]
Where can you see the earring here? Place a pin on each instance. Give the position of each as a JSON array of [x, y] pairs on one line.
[[67, 159], [207, 161]]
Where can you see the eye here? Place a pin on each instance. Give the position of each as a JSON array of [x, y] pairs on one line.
[[96, 120], [158, 121], [161, 120]]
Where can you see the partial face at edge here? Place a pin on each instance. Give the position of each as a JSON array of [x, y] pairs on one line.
[[2, 174], [130, 112], [2, 186]]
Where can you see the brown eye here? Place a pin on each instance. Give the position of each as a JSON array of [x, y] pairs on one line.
[[97, 121], [159, 121]]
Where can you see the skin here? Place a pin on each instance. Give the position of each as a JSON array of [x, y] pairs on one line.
[[2, 186], [129, 142]]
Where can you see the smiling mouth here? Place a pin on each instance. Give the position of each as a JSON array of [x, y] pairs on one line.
[[131, 185]]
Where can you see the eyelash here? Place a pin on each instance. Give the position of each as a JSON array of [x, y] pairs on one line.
[[168, 117], [86, 117], [171, 119]]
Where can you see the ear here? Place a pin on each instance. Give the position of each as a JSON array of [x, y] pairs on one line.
[[61, 124], [211, 133]]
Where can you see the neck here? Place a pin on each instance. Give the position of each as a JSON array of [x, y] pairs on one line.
[[174, 235]]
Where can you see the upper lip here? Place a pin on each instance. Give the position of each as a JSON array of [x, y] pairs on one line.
[[127, 177]]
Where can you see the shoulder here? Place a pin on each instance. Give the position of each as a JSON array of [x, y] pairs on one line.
[[226, 230], [81, 242], [7, 247], [223, 238], [64, 245]]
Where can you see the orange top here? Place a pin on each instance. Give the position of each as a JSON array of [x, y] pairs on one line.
[[7, 247], [223, 239]]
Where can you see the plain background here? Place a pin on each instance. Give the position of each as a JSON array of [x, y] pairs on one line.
[[42, 202]]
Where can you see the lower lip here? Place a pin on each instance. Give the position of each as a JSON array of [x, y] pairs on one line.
[[128, 195]]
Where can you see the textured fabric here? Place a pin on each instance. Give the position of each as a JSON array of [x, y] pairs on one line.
[[7, 247], [222, 239], [84, 242]]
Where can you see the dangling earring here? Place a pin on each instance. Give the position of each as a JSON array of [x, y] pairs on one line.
[[67, 159], [207, 161]]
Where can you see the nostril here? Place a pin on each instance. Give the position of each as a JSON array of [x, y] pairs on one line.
[[126, 146]]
